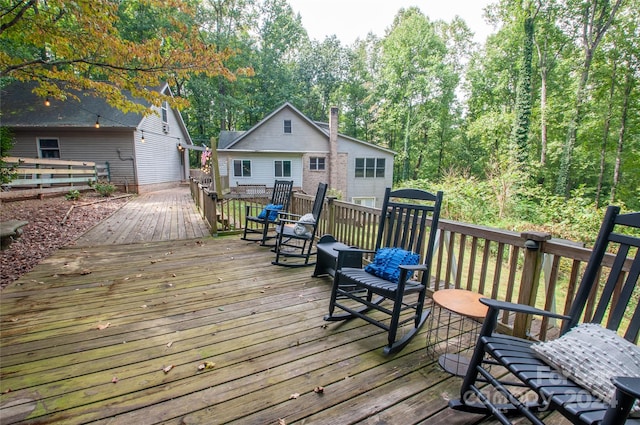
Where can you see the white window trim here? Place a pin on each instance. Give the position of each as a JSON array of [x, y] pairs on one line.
[[283, 161], [47, 138], [233, 167], [358, 200]]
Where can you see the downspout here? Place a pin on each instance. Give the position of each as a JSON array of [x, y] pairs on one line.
[[133, 162]]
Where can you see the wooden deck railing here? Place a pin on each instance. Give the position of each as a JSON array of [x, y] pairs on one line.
[[525, 267]]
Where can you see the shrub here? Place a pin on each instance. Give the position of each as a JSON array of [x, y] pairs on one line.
[[104, 188], [73, 195], [7, 141]]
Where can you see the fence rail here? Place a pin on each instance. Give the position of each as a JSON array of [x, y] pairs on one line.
[[525, 267], [38, 176]]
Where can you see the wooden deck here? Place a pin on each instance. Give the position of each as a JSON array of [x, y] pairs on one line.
[[165, 215], [115, 334]]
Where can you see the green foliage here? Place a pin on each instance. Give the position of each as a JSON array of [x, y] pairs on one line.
[[104, 188], [471, 200], [72, 195], [6, 143]]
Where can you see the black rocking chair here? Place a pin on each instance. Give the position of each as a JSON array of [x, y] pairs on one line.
[[259, 220], [562, 381], [407, 231], [296, 233]]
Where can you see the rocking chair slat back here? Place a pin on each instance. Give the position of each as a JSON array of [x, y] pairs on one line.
[[619, 293]]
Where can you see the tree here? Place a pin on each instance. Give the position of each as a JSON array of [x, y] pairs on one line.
[[280, 37], [217, 103], [595, 18], [415, 80], [520, 131], [95, 47]]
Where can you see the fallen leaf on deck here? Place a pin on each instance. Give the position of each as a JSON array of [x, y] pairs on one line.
[[114, 379], [169, 344], [318, 390], [104, 326], [168, 368], [143, 306], [282, 422], [8, 390], [206, 365], [173, 275], [294, 396], [85, 272]]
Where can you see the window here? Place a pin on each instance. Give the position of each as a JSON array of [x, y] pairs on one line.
[[365, 201], [165, 115], [241, 168], [49, 148], [287, 126], [316, 163], [380, 163], [283, 168], [370, 167]]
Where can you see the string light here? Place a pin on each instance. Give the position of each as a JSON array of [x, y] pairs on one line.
[[142, 138], [98, 122], [47, 102]]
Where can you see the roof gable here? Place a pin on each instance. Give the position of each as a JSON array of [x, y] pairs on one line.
[[240, 140]]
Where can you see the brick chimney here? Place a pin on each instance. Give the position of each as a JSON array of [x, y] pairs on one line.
[[333, 149]]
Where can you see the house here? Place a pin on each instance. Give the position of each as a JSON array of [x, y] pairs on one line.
[[288, 145], [143, 152]]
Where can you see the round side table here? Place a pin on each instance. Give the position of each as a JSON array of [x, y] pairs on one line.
[[454, 324]]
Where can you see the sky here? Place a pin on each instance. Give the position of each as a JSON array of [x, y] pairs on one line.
[[351, 19]]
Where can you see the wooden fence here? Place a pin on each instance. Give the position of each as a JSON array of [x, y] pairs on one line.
[[40, 176], [525, 267]]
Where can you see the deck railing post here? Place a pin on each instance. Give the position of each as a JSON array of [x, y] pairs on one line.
[[331, 215], [531, 271], [212, 217]]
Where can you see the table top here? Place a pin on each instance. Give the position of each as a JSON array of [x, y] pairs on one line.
[[461, 301]]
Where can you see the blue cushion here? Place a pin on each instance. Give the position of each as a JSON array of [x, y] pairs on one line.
[[272, 210], [386, 263]]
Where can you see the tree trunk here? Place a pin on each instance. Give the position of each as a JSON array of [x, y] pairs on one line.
[[543, 116], [628, 85], [605, 134], [520, 132]]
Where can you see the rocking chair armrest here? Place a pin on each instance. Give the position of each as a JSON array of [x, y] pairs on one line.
[[414, 267], [520, 308], [353, 249], [628, 385], [287, 217], [345, 253]]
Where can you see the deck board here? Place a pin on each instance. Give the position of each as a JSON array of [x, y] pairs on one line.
[[185, 301], [165, 215]]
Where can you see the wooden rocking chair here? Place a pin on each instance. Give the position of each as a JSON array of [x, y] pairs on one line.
[[407, 231], [259, 220], [579, 376], [296, 233]]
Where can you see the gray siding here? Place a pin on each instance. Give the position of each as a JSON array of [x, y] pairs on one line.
[[84, 145], [270, 136], [158, 159], [262, 168], [365, 186]]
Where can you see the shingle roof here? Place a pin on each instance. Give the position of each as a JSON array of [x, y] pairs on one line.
[[228, 137], [20, 107]]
